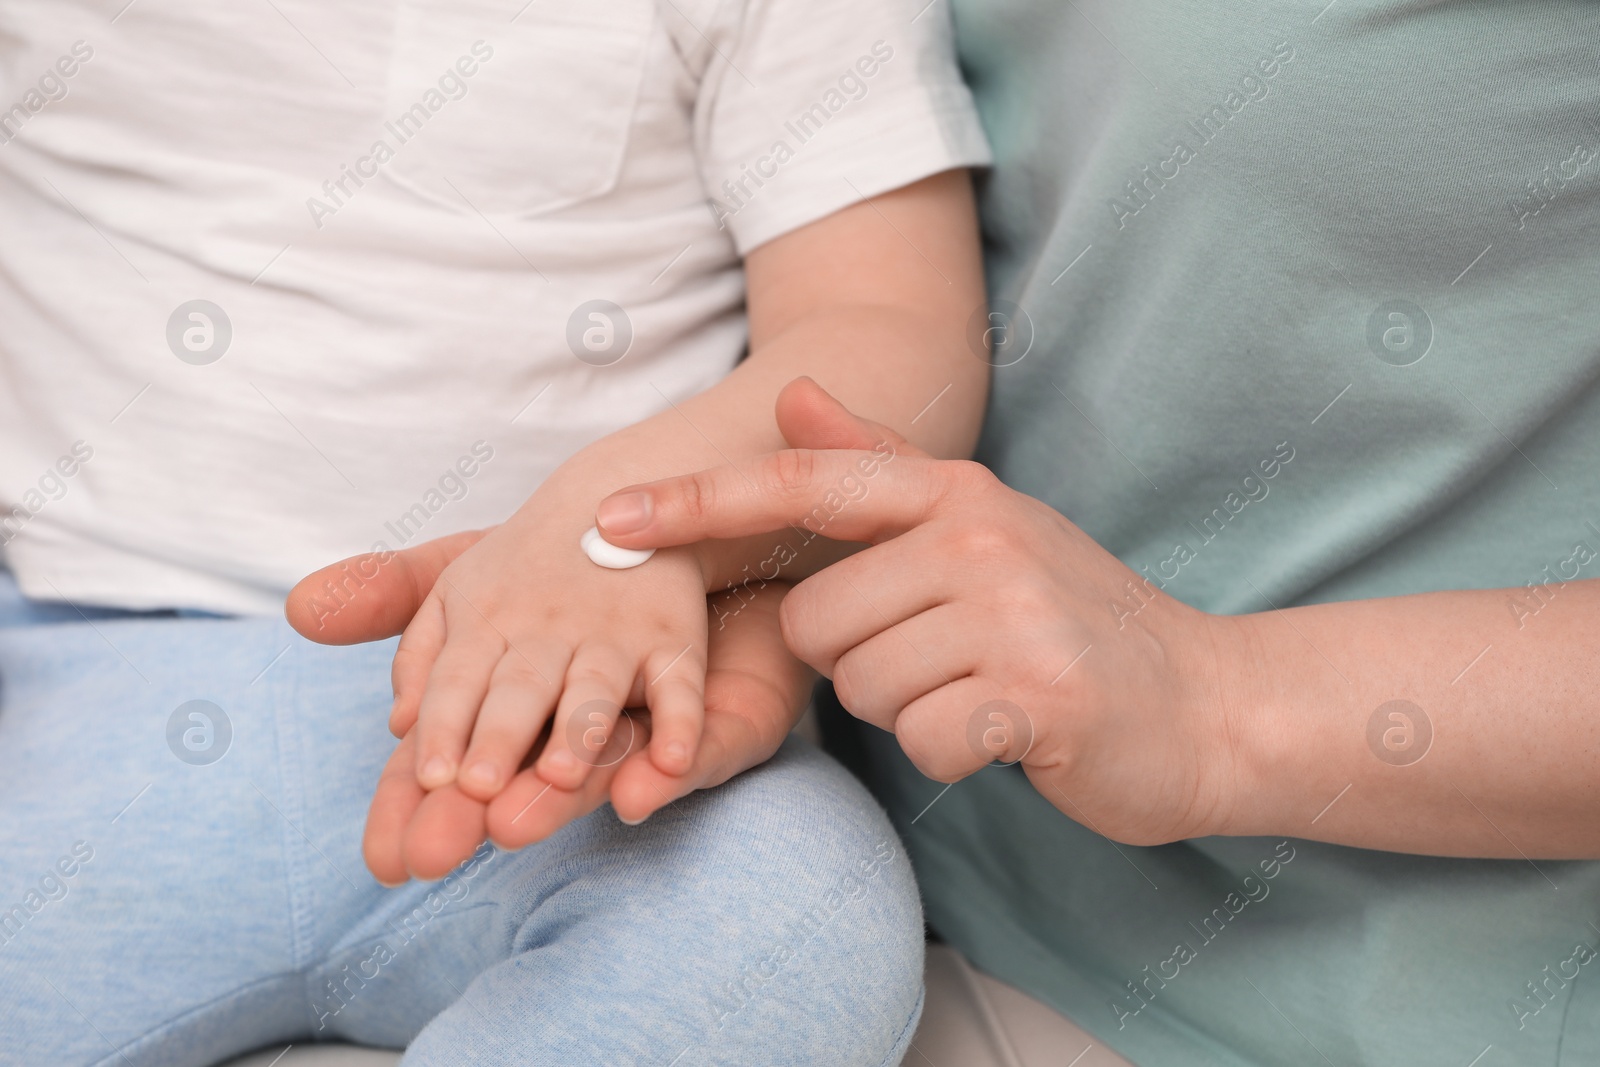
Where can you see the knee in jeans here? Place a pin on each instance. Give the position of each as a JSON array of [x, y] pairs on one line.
[[843, 915]]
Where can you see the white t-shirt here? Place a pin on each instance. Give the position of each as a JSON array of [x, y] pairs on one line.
[[283, 282]]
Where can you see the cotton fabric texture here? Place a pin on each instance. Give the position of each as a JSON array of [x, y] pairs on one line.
[[1310, 291], [436, 249]]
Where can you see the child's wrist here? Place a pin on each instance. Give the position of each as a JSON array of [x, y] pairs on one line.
[[576, 488]]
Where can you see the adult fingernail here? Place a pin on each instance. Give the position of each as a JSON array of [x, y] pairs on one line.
[[435, 770], [624, 513]]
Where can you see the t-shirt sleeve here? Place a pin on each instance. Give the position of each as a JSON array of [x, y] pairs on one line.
[[809, 106]]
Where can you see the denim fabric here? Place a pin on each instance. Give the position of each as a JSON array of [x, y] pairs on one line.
[[176, 890]]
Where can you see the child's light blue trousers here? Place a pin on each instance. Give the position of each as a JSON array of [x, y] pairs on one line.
[[181, 808]]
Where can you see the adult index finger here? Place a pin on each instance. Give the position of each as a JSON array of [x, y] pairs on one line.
[[844, 495]]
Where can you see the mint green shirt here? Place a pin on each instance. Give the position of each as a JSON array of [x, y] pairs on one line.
[[1298, 302]]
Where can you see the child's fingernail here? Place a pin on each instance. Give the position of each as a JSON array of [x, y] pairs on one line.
[[436, 769], [482, 773], [561, 760], [677, 752], [632, 822], [624, 513]]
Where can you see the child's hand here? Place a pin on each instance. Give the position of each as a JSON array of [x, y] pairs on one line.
[[522, 623], [755, 691]]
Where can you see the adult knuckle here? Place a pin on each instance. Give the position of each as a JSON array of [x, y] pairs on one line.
[[792, 469], [977, 540], [970, 476], [924, 748], [697, 496]]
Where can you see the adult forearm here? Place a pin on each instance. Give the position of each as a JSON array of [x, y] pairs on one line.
[[1447, 723]]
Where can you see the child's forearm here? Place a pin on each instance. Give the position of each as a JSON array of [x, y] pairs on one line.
[[874, 303], [879, 361]]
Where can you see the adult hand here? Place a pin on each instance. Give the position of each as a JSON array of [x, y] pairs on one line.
[[980, 625], [755, 692]]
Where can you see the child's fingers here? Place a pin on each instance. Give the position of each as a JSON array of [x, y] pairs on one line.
[[447, 827], [677, 698], [747, 718], [597, 683], [456, 687], [393, 803], [522, 694], [413, 659]]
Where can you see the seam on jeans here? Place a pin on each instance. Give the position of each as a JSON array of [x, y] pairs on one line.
[[160, 1031], [296, 878], [986, 1012], [902, 1040]]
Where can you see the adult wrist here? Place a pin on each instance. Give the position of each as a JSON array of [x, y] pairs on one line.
[[1246, 749]]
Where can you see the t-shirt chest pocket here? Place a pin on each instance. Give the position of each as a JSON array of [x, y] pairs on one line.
[[513, 116]]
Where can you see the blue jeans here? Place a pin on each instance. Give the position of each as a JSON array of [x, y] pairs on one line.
[[181, 807]]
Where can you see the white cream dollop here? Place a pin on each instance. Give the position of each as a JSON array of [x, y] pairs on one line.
[[608, 555]]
